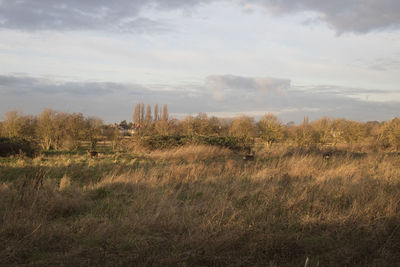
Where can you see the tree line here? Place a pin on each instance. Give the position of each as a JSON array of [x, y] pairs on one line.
[[59, 130], [52, 129]]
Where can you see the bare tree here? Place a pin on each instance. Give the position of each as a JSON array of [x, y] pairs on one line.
[[156, 113], [270, 129], [141, 113], [18, 125], [243, 127], [165, 113], [136, 115], [45, 129], [389, 134], [148, 118]]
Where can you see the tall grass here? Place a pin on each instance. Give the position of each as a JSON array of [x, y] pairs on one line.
[[192, 153], [202, 206]]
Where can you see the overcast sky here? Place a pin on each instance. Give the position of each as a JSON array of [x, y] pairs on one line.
[[338, 58]]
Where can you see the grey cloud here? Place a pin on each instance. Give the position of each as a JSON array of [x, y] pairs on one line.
[[23, 85], [343, 91], [222, 85], [337, 105], [110, 101], [359, 16], [384, 64], [247, 83], [114, 101], [116, 15]]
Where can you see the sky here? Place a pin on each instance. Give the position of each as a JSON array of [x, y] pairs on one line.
[[338, 58]]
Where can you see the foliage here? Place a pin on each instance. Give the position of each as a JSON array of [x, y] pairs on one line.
[[389, 135], [15, 146], [304, 135], [16, 125], [200, 125], [270, 129], [58, 130], [65, 131], [243, 127], [154, 142]]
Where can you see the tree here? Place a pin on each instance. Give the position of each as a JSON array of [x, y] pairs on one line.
[[323, 131], [346, 131], [156, 118], [270, 129], [93, 130], [114, 137], [304, 135], [200, 124], [148, 118], [187, 125], [141, 114], [74, 130], [57, 130], [243, 127], [11, 127], [18, 125], [136, 115], [215, 125], [45, 128], [112, 134], [389, 135], [162, 125], [165, 113]]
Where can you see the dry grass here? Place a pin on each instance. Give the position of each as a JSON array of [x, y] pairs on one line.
[[202, 206], [65, 183], [192, 153]]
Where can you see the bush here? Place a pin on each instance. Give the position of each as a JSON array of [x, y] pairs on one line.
[[14, 146], [156, 142]]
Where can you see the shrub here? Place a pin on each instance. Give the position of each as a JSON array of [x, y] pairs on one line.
[[156, 142], [14, 146]]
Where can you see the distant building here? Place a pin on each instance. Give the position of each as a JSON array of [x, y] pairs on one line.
[[126, 132]]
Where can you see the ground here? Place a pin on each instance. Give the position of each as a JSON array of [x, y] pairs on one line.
[[202, 206]]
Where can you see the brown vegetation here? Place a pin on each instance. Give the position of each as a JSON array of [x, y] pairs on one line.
[[64, 131], [201, 191], [202, 206]]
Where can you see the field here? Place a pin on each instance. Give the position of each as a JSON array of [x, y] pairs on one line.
[[202, 206]]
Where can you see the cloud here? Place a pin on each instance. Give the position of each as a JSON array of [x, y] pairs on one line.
[[25, 85], [116, 15], [384, 64], [343, 91], [358, 16], [108, 100], [115, 101], [222, 85]]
